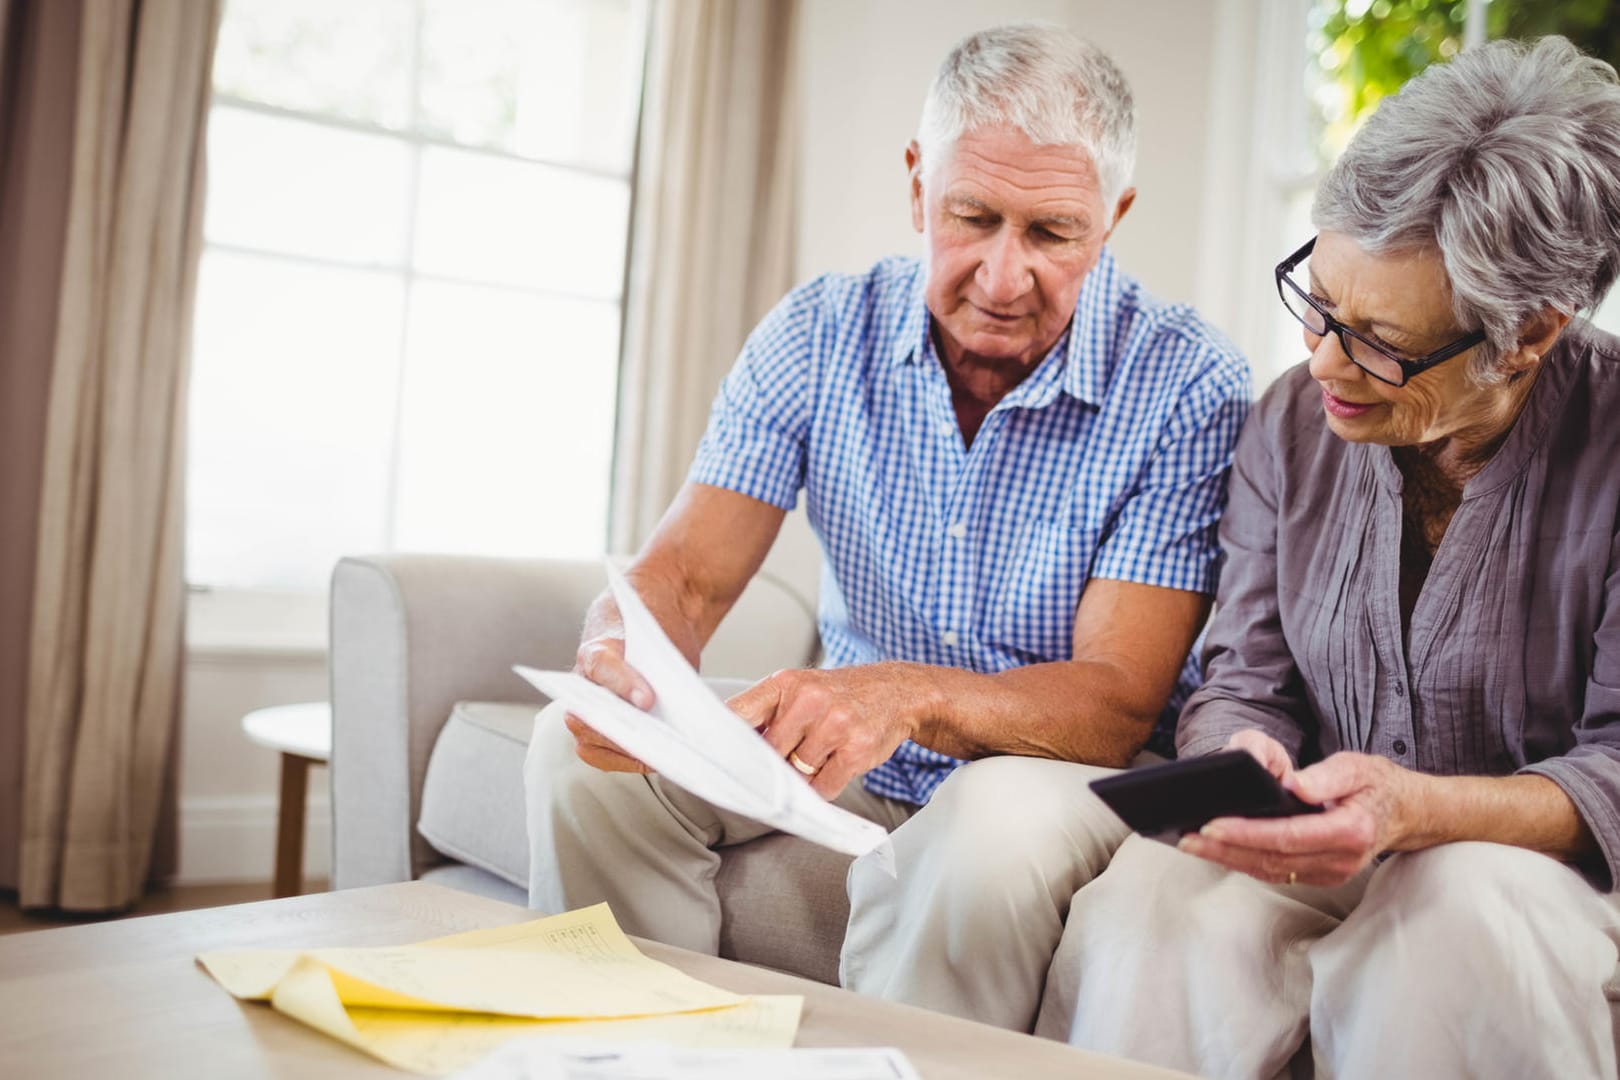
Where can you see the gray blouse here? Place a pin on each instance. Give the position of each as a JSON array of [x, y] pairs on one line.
[[1512, 663]]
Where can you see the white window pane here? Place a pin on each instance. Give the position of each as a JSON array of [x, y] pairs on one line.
[[293, 398], [508, 423], [346, 58], [493, 219], [559, 81], [305, 189]]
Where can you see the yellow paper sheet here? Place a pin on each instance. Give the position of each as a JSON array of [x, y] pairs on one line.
[[578, 965], [439, 1043], [440, 1005]]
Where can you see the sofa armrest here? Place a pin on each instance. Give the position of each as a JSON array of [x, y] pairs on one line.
[[411, 635]]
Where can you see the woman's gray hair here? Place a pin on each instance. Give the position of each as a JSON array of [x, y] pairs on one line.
[[1507, 160], [1048, 82]]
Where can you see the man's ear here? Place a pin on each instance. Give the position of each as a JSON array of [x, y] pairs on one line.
[[1536, 338], [914, 180], [1124, 204]]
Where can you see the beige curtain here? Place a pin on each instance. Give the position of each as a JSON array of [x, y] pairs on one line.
[[106, 644], [712, 246], [38, 68]]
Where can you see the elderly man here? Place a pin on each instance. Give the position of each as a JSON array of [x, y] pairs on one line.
[[1014, 460]]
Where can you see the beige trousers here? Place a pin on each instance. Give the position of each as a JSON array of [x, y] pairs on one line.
[[968, 926], [1472, 959]]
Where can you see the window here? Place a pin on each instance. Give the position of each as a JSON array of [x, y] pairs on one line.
[[408, 310]]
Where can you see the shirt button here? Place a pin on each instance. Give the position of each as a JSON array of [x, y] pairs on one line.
[[1400, 747], [957, 531], [946, 428], [948, 638]]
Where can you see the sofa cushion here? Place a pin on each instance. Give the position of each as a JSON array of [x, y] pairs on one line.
[[472, 795], [782, 899], [470, 879]]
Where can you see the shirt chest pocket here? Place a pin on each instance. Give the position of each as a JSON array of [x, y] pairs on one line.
[[1037, 589]]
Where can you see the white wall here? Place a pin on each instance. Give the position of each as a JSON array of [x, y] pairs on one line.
[[245, 653], [868, 65], [229, 786]]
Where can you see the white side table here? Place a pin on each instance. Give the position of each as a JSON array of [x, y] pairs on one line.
[[302, 734]]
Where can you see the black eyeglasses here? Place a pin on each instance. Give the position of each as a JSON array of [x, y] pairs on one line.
[[1371, 357]]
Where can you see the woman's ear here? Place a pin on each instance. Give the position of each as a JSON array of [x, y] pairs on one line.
[[1536, 338]]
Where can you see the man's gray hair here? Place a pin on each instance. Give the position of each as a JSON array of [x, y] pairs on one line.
[[1507, 160], [1048, 82]]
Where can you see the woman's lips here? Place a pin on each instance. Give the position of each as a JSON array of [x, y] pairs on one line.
[[1344, 410]]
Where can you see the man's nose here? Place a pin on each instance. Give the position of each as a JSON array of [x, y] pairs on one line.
[[1004, 272]]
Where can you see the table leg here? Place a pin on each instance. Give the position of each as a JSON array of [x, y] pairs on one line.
[[290, 825]]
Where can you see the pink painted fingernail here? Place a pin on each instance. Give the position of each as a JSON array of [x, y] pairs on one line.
[[641, 699]]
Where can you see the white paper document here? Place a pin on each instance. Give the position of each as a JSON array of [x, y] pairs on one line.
[[692, 739], [541, 1060]]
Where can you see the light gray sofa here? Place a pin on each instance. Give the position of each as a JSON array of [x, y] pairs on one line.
[[430, 726]]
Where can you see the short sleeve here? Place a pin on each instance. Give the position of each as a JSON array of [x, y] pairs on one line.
[[1166, 533], [760, 420]]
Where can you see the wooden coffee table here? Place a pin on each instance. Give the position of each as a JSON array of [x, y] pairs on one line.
[[125, 1000]]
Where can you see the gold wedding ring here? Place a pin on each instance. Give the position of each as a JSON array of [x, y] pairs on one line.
[[1293, 878], [799, 763]]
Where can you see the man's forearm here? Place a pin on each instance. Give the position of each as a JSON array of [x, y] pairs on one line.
[[697, 562], [1522, 811], [1074, 710]]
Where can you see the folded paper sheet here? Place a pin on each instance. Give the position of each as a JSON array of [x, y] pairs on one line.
[[692, 738], [441, 1005]]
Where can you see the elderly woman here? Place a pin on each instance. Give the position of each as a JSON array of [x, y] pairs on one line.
[[1419, 628]]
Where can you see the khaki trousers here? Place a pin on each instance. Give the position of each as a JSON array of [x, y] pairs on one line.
[[968, 926], [1468, 959]]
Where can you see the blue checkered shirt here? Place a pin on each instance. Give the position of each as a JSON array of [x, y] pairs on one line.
[[1109, 460]]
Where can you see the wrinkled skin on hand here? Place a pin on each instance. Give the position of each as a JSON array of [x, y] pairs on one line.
[[1371, 807], [839, 721]]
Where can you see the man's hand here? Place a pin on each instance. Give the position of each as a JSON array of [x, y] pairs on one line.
[[838, 722], [601, 660], [1373, 805], [708, 546]]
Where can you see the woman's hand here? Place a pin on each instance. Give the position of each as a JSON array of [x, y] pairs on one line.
[[1372, 805], [1266, 750]]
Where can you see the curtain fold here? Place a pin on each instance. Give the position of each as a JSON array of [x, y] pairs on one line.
[[38, 72], [107, 632], [711, 247]]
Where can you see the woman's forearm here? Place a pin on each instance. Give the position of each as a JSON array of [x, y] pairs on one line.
[[1523, 811]]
